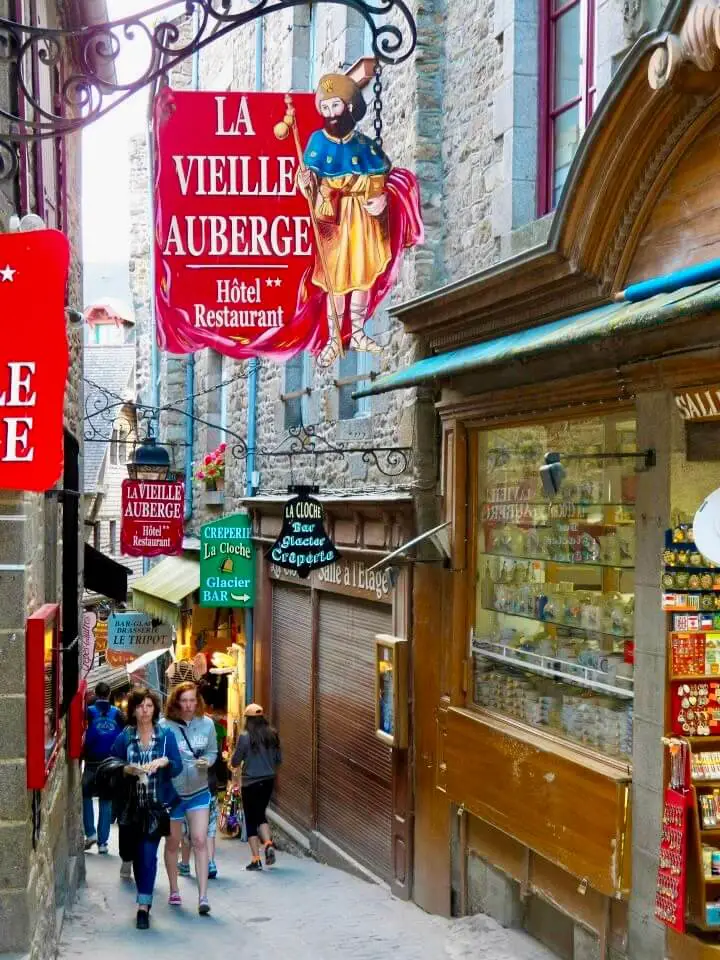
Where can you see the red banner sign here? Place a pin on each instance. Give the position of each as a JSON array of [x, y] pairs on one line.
[[264, 206], [152, 518], [33, 358]]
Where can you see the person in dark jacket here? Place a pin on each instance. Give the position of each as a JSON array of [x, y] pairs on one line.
[[152, 758], [104, 722], [257, 752]]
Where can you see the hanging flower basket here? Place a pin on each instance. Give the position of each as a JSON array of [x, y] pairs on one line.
[[212, 469]]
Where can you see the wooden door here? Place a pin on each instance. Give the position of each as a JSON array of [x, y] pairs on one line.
[[291, 698], [354, 769]]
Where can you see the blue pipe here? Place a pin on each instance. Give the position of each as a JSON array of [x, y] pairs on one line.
[[702, 273], [252, 414]]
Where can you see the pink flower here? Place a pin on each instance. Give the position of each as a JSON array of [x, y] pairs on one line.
[[200, 475], [207, 460], [222, 448]]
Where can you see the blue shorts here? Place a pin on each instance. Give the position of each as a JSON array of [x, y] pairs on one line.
[[199, 801], [212, 821]]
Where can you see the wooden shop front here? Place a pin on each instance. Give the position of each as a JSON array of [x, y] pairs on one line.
[[346, 789], [540, 669]]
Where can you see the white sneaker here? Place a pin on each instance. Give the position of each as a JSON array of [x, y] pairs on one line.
[[126, 870], [102, 848]]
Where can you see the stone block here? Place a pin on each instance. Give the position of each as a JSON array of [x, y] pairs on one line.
[[12, 661], [12, 742], [523, 202], [14, 922], [647, 812], [646, 937], [502, 210], [586, 945], [649, 686], [503, 108], [12, 600], [14, 797], [647, 758], [15, 860], [12, 538], [493, 893]]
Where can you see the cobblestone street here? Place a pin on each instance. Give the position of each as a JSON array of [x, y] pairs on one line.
[[300, 910]]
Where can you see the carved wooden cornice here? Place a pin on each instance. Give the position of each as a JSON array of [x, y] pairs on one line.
[[695, 48]]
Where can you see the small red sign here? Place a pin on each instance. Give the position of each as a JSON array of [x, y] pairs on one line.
[[33, 358], [152, 517]]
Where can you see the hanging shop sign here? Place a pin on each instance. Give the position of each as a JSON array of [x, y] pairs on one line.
[[87, 652], [152, 518], [33, 358], [265, 206], [700, 403], [135, 633], [303, 544], [227, 563]]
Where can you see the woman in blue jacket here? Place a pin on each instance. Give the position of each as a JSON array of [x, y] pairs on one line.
[[150, 754]]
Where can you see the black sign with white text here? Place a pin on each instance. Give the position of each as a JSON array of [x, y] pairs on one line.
[[303, 544]]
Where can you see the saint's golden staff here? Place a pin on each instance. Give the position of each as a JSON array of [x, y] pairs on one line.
[[282, 130]]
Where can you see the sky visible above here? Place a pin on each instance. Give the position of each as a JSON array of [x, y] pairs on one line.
[[105, 167]]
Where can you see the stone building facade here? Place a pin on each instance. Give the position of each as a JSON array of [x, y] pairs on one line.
[[41, 834], [468, 112]]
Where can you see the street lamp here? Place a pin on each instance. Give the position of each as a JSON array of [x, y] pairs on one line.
[[149, 462]]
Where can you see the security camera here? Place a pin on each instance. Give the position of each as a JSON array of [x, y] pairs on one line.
[[552, 474]]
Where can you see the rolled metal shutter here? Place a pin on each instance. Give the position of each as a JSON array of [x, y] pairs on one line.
[[354, 776], [291, 714]]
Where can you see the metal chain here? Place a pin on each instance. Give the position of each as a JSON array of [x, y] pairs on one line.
[[377, 105]]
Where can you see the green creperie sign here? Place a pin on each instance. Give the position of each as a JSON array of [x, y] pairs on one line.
[[227, 563]]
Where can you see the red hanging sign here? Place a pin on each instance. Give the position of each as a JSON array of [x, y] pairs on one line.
[[266, 205], [152, 518], [33, 358]]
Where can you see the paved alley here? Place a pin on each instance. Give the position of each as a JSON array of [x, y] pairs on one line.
[[298, 910]]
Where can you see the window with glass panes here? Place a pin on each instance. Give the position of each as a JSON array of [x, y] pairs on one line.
[[567, 90]]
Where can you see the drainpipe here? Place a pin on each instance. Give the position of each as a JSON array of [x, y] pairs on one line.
[[252, 413]]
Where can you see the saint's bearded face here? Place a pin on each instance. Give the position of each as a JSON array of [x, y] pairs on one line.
[[337, 117]]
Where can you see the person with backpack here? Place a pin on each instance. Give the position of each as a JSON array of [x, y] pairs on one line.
[[258, 753], [197, 742], [104, 723]]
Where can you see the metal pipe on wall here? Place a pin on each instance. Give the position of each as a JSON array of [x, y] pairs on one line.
[[252, 412]]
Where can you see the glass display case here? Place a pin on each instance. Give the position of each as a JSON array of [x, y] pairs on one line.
[[553, 638]]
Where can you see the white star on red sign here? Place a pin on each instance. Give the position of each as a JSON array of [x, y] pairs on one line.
[[8, 274]]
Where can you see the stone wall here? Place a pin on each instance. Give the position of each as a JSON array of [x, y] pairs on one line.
[[39, 870]]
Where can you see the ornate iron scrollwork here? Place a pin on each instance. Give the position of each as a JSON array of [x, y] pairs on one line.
[[103, 408], [90, 88], [305, 441]]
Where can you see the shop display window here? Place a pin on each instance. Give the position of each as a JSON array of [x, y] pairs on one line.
[[553, 639]]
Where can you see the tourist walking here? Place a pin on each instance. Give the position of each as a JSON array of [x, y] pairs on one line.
[[196, 740], [257, 753], [104, 723], [152, 760]]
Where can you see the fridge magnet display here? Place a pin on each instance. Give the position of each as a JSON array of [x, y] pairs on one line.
[[672, 869]]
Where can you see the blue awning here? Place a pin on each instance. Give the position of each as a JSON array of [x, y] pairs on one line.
[[611, 320]]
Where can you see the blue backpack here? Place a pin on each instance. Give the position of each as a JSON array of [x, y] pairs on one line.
[[104, 724]]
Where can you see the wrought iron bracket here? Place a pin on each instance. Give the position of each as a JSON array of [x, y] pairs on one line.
[[307, 444], [166, 33], [300, 445]]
